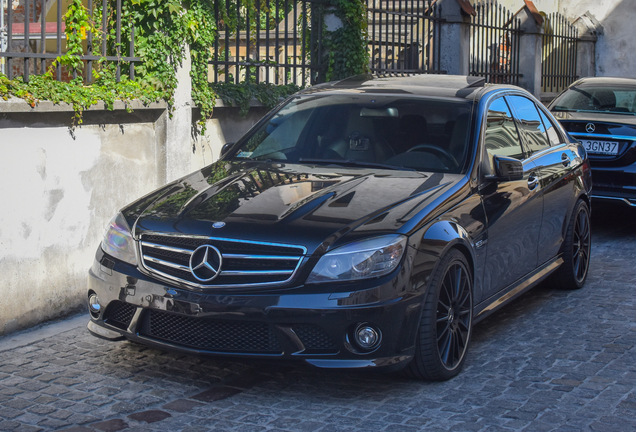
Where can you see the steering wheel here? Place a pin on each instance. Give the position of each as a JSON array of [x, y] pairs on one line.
[[437, 151]]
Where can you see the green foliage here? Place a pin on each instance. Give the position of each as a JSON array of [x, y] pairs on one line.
[[242, 94], [44, 87], [78, 22], [163, 29], [347, 46]]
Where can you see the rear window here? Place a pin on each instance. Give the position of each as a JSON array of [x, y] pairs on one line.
[[616, 100], [404, 132]]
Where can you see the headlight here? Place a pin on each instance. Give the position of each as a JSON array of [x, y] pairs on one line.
[[118, 241], [360, 260]]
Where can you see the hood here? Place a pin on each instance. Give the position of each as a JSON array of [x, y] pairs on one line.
[[287, 203]]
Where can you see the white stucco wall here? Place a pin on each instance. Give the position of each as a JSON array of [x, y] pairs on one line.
[[58, 194], [616, 44]]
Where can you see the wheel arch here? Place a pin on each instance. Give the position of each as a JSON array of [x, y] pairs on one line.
[[444, 235]]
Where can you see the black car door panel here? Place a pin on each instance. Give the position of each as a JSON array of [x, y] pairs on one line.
[[514, 209]]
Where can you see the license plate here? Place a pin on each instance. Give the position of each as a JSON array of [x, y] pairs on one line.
[[601, 147]]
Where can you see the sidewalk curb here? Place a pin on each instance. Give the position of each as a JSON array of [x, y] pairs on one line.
[[30, 336]]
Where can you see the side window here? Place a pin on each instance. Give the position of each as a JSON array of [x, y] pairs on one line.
[[553, 135], [501, 137], [531, 126]]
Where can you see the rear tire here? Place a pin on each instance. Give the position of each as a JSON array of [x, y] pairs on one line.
[[576, 250], [446, 323]]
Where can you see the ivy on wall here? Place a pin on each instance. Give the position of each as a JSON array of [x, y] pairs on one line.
[[163, 28], [347, 46]]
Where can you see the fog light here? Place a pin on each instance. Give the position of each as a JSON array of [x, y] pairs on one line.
[[366, 336], [93, 304]]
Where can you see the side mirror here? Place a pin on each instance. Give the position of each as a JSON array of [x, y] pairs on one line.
[[226, 147], [506, 169]]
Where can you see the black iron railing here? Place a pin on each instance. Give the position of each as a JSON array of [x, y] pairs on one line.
[[494, 43], [25, 40], [404, 35], [274, 41], [559, 56]]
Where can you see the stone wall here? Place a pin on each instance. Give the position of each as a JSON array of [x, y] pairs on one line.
[[610, 21]]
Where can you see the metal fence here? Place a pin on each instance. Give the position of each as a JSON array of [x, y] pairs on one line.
[[404, 35], [29, 43], [494, 43], [274, 41], [559, 55]]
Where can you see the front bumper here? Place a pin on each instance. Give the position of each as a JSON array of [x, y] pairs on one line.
[[615, 184], [313, 323]]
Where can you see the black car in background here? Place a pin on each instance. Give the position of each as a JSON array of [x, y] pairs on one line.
[[601, 113], [368, 222]]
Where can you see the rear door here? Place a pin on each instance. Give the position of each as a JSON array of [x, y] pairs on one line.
[[554, 160], [514, 209]]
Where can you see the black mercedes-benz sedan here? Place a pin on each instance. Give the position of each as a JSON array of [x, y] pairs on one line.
[[601, 113], [368, 222]]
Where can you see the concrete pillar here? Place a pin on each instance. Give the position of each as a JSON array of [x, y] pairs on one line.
[[530, 45], [589, 30], [455, 37], [178, 129]]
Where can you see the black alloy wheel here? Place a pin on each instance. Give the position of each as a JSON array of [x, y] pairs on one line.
[[581, 245], [446, 323], [453, 316], [576, 250]]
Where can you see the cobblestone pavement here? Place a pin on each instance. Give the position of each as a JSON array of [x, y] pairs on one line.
[[552, 360]]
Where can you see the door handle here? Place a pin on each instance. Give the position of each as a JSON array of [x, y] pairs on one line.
[[533, 181], [565, 160]]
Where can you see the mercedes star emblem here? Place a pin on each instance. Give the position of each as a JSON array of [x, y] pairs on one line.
[[590, 128], [205, 263]]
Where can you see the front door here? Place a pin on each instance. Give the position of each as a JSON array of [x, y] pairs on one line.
[[513, 209]]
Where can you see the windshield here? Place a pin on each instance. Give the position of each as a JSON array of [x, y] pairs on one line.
[[616, 100], [365, 130]]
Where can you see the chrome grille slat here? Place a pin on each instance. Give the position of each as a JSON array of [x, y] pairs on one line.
[[244, 263], [168, 248], [255, 257], [166, 263], [254, 272]]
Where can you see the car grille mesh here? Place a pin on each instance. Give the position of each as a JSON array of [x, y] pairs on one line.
[[314, 338], [243, 263], [209, 335], [119, 314]]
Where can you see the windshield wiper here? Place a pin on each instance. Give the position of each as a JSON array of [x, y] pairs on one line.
[[353, 162]]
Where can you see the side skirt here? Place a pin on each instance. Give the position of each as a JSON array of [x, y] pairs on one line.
[[488, 306]]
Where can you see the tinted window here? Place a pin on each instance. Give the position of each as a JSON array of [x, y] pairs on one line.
[[425, 134], [610, 99], [501, 137], [530, 124], [551, 129]]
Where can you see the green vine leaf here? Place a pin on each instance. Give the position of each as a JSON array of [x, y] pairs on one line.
[[163, 28]]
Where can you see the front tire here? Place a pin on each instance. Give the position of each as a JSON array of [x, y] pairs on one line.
[[576, 250], [446, 322]]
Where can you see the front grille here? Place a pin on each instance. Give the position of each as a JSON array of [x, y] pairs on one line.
[[209, 335], [244, 263], [314, 338], [119, 314]]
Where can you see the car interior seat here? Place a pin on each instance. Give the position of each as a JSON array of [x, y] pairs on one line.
[[604, 99], [359, 142]]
